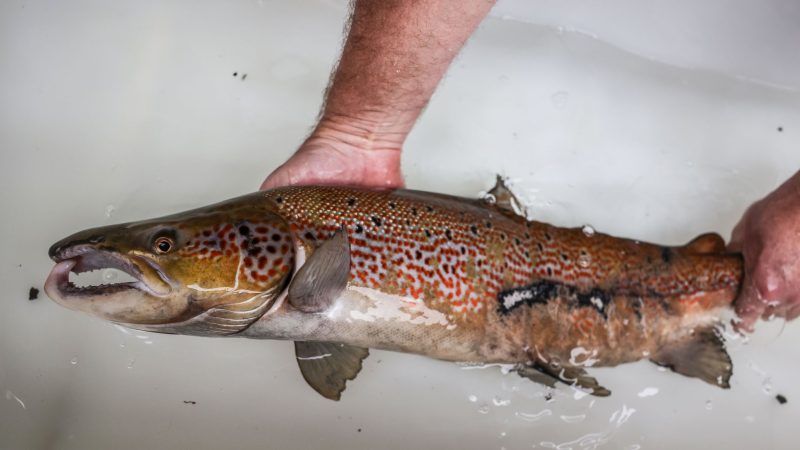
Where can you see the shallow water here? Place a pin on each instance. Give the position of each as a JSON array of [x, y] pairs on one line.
[[116, 112]]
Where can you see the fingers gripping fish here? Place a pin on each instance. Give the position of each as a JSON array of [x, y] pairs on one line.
[[341, 270]]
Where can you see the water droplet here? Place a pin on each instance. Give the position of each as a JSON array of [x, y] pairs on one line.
[[689, 163], [559, 99], [473, 398], [484, 409], [122, 345], [648, 392], [588, 230], [709, 405], [584, 261], [766, 386], [74, 361], [503, 434], [131, 363], [749, 419], [109, 275], [574, 419], [110, 211], [500, 401]]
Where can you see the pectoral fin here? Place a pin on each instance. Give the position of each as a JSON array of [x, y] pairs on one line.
[[699, 355], [323, 277], [548, 374], [327, 366], [503, 199]]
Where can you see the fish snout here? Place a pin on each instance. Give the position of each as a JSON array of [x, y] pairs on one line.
[[61, 249]]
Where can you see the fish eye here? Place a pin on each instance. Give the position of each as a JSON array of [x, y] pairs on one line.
[[163, 245]]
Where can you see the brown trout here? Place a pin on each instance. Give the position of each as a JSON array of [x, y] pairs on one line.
[[341, 270]]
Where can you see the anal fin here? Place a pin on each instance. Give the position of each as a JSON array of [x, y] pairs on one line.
[[549, 374], [698, 355], [327, 366]]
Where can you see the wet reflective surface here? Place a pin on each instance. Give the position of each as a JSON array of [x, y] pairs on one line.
[[119, 113]]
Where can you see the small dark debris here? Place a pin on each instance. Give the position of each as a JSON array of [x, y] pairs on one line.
[[781, 399], [33, 294], [236, 74], [244, 76], [376, 220], [548, 397], [780, 129], [359, 430], [189, 402]]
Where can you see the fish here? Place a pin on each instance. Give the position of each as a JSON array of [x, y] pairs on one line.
[[341, 270]]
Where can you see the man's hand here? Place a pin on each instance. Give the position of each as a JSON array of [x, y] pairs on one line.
[[342, 155], [769, 238], [395, 54]]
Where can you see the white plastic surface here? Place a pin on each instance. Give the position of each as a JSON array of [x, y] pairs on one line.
[[657, 121]]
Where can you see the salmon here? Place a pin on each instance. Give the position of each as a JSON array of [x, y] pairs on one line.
[[341, 270]]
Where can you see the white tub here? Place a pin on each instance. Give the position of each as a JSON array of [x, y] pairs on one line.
[[649, 120]]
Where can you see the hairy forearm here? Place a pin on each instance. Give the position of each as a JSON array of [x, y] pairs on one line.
[[394, 56]]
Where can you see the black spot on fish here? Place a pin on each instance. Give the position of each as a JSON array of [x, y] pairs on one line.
[[427, 233], [413, 211], [277, 237], [448, 234], [359, 228], [527, 254], [244, 230], [548, 237], [33, 294], [271, 249], [540, 246], [408, 222], [488, 224], [564, 257], [392, 205], [502, 236], [253, 251], [539, 292], [542, 291], [637, 308], [666, 254], [596, 298], [527, 236], [463, 250], [279, 200], [549, 271], [351, 201], [474, 229], [309, 236], [517, 241], [376, 221], [429, 208], [418, 254]]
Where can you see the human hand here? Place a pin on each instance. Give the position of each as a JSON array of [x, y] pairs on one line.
[[769, 238], [340, 153]]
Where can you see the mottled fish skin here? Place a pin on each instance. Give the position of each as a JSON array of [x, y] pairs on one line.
[[510, 290], [452, 278]]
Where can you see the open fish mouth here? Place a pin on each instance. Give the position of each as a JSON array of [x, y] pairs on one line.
[[86, 258]]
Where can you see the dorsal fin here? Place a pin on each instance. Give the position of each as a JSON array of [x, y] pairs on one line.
[[705, 244], [503, 199], [699, 355], [323, 277], [327, 366]]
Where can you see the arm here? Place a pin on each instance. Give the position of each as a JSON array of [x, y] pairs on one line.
[[394, 56], [769, 238]]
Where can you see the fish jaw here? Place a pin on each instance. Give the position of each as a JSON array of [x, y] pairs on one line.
[[147, 300]]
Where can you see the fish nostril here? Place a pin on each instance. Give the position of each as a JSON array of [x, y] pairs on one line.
[[96, 239]]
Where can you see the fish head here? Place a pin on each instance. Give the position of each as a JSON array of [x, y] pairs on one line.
[[210, 271]]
